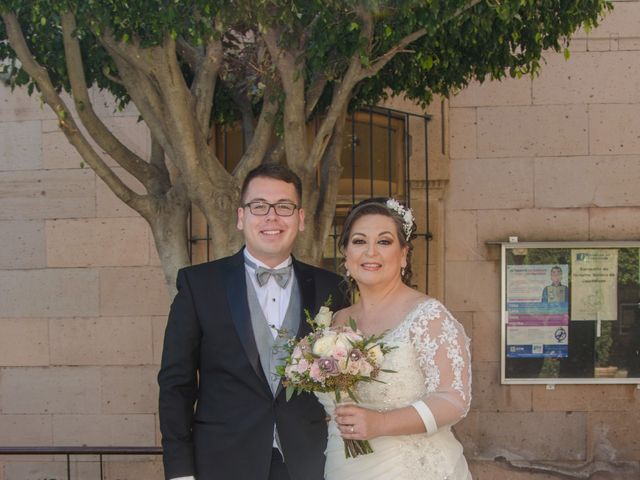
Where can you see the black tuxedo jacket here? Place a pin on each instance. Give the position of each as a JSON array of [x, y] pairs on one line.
[[210, 361]]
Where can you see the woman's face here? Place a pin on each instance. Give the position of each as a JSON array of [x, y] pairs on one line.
[[373, 254]]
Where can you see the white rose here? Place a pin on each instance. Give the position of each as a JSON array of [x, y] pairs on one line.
[[375, 354], [324, 345], [344, 341], [323, 318]]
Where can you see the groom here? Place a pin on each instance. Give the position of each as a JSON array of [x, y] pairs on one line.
[[223, 413]]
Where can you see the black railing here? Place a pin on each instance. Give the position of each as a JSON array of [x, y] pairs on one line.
[[68, 452]]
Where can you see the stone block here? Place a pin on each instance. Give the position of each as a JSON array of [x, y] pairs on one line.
[[614, 223], [596, 45], [20, 145], [487, 332], [479, 184], [57, 152], [508, 91], [24, 342], [23, 244], [147, 470], [587, 182], [586, 398], [21, 430], [130, 390], [101, 341], [629, 43], [547, 436], [52, 470], [472, 286], [97, 242], [613, 128], [623, 21], [38, 390], [133, 134], [492, 470], [462, 236], [47, 194], [18, 106], [130, 430], [105, 105], [107, 204], [615, 433], [532, 131], [463, 129], [489, 395], [133, 291], [64, 292], [580, 79], [532, 225], [159, 324]]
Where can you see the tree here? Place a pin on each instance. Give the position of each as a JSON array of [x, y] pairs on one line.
[[272, 65]]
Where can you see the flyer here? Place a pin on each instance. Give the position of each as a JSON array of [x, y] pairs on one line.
[[537, 311], [594, 284]]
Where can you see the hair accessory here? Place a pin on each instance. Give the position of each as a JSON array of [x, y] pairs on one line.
[[405, 213]]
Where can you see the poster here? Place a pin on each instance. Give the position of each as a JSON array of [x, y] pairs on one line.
[[537, 311], [594, 284]]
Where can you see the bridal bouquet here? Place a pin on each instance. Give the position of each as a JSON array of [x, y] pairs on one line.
[[333, 359]]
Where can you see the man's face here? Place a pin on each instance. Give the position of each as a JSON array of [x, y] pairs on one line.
[[270, 238], [556, 276]]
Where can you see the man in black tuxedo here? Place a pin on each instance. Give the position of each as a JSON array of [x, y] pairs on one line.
[[221, 349]]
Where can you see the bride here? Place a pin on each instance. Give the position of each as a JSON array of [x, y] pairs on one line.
[[408, 418]]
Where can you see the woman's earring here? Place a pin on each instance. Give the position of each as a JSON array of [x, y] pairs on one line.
[[348, 274], [402, 271]]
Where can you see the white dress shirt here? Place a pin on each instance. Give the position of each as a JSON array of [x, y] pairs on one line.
[[273, 299]]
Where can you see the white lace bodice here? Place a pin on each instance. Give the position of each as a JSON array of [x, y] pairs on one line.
[[431, 362]]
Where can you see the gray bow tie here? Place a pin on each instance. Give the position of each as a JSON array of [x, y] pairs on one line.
[[280, 275]]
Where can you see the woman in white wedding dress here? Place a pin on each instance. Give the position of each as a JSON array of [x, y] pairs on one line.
[[408, 418]]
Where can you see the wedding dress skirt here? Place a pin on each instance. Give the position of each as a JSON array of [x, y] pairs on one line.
[[407, 457]]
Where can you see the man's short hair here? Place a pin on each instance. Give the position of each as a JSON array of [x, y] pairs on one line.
[[276, 171]]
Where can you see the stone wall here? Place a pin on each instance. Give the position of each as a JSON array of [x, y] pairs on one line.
[[556, 157], [82, 301]]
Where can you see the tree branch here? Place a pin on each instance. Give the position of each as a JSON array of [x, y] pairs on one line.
[[314, 92], [379, 63], [67, 124], [341, 93], [204, 83], [94, 125], [189, 53], [261, 139], [295, 139]]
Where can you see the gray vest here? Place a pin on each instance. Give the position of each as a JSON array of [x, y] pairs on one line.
[[271, 349]]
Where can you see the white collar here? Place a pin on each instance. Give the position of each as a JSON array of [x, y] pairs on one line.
[[258, 263]]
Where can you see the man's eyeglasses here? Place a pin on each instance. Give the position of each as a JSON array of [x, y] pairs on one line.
[[260, 209]]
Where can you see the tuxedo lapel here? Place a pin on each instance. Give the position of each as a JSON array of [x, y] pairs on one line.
[[237, 295], [306, 282]]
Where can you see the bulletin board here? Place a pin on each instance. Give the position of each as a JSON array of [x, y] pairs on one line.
[[570, 312]]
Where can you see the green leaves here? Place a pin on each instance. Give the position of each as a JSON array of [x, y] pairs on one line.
[[456, 44]]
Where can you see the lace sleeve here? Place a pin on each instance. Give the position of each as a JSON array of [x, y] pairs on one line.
[[443, 354]]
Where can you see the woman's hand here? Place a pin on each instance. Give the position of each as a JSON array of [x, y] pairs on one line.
[[359, 423]]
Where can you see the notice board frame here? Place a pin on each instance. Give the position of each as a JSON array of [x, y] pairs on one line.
[[551, 378]]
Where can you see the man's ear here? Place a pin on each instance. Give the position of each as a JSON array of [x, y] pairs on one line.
[[240, 222], [301, 217]]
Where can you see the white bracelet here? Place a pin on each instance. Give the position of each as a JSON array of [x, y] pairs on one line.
[[427, 416]]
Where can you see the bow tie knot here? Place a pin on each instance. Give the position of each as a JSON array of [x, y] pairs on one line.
[[280, 275]]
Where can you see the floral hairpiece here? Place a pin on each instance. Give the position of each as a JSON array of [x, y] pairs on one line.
[[405, 213]]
